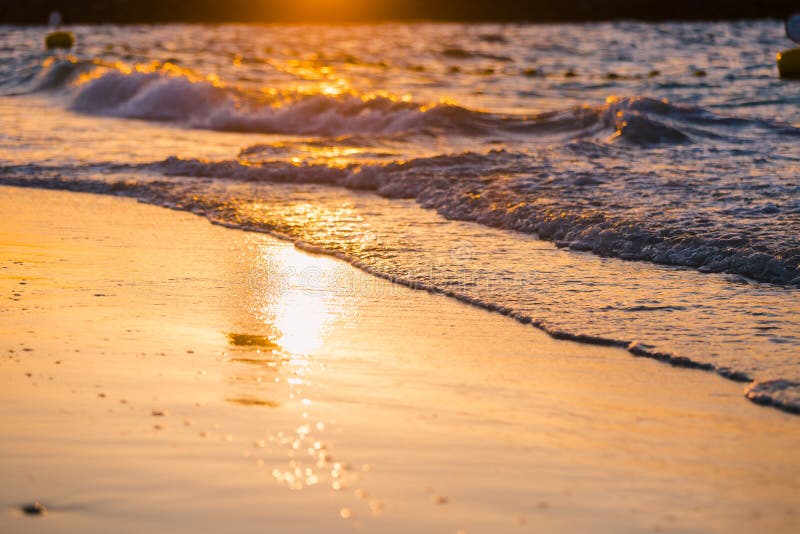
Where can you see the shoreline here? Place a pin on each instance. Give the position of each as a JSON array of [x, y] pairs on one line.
[[756, 391], [263, 385]]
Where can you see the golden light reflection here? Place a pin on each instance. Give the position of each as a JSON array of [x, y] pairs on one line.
[[301, 319], [164, 69], [331, 90], [315, 223], [284, 326], [303, 310]]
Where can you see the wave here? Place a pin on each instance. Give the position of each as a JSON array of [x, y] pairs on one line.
[[575, 179], [781, 394], [166, 92], [490, 188], [546, 193]]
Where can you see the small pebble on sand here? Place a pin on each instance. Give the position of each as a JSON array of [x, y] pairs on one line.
[[35, 508]]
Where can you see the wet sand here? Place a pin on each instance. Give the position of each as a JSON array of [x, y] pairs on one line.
[[158, 373]]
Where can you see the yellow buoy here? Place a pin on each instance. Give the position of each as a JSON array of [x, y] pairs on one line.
[[59, 39], [789, 63]]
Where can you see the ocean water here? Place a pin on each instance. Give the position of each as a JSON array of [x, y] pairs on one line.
[[623, 183]]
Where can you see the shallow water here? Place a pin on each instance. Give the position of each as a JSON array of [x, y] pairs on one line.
[[589, 136]]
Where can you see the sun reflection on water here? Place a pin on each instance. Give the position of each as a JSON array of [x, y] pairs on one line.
[[288, 307], [300, 311], [301, 319]]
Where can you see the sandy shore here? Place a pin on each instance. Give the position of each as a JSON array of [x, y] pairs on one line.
[[161, 374]]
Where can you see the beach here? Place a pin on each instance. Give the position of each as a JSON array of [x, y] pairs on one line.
[[570, 176], [160, 373]]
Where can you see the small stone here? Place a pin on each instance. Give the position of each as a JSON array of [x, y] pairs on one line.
[[35, 508]]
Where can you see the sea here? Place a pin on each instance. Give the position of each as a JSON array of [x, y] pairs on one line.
[[627, 184]]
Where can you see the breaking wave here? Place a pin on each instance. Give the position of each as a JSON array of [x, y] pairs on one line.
[[502, 189], [165, 92]]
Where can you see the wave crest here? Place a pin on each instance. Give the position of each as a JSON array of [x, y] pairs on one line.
[[165, 92]]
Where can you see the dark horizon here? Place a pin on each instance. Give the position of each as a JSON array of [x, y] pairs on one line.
[[344, 11]]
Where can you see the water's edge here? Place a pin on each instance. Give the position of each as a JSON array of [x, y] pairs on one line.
[[764, 393]]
